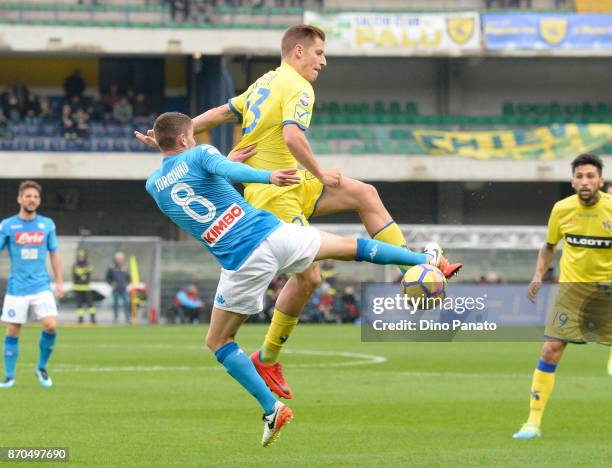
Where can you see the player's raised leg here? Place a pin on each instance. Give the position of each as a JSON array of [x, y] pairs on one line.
[[362, 198], [338, 248], [541, 388], [221, 340]]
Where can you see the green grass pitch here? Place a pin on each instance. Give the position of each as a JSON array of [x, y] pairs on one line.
[[154, 396]]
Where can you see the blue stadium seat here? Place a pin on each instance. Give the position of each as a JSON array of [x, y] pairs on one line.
[[97, 129], [127, 130], [49, 129], [71, 145], [23, 144], [40, 144], [57, 144], [104, 145], [7, 144], [31, 130], [16, 129], [113, 131], [135, 146], [120, 145]]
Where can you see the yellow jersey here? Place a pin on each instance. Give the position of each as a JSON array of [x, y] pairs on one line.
[[280, 97], [587, 238]]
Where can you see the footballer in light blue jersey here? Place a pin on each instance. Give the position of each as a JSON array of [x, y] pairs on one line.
[[192, 189], [29, 238], [28, 241]]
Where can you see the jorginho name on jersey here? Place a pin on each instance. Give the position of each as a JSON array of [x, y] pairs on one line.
[[28, 242], [192, 189]]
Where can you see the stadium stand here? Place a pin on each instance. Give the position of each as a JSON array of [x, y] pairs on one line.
[[257, 14]]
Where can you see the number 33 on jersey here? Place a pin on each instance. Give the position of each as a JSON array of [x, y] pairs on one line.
[[278, 98]]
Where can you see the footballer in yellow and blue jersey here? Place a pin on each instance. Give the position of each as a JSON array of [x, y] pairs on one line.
[[278, 98], [586, 231], [584, 301]]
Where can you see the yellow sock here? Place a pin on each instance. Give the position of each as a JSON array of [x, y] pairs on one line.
[[391, 234], [541, 388], [281, 327]]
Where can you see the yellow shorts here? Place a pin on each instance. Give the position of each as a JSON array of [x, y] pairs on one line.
[[581, 309], [292, 204]]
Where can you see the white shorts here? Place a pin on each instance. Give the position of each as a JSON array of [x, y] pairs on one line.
[[15, 308], [289, 249]]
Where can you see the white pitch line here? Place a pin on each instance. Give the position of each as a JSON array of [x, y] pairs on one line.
[[362, 360]]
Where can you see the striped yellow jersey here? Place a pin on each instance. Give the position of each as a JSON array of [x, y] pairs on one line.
[[280, 97], [586, 232]]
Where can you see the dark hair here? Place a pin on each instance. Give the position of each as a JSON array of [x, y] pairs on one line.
[[299, 34], [26, 184], [168, 126], [588, 158]]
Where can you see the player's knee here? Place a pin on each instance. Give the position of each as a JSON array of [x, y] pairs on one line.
[[368, 194], [312, 280], [212, 342], [50, 327], [551, 351]]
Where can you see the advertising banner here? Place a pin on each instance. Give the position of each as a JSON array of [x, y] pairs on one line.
[[547, 31], [398, 34]]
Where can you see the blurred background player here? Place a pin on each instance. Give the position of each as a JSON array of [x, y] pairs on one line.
[[192, 188], [275, 111], [119, 279], [584, 222], [188, 304], [29, 236], [81, 279]]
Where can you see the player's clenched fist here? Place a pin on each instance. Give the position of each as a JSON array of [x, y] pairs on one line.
[[331, 177], [283, 177]]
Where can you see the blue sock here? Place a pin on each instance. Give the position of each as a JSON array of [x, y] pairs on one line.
[[546, 366], [46, 343], [381, 253], [11, 353], [239, 366]]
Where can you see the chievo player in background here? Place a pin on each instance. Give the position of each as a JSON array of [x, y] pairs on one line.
[[191, 187], [29, 236], [583, 222]]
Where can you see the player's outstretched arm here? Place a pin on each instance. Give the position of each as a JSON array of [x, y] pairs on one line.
[[213, 118], [56, 264], [545, 258], [208, 120], [241, 173], [296, 141]]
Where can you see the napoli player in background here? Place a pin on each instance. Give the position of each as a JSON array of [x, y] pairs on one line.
[[29, 237], [192, 188]]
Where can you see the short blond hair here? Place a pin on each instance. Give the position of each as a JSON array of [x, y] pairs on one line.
[[300, 34]]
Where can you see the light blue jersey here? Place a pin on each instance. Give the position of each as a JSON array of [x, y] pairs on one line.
[[28, 243], [192, 189]]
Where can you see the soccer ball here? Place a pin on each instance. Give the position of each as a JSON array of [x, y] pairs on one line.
[[423, 282]]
